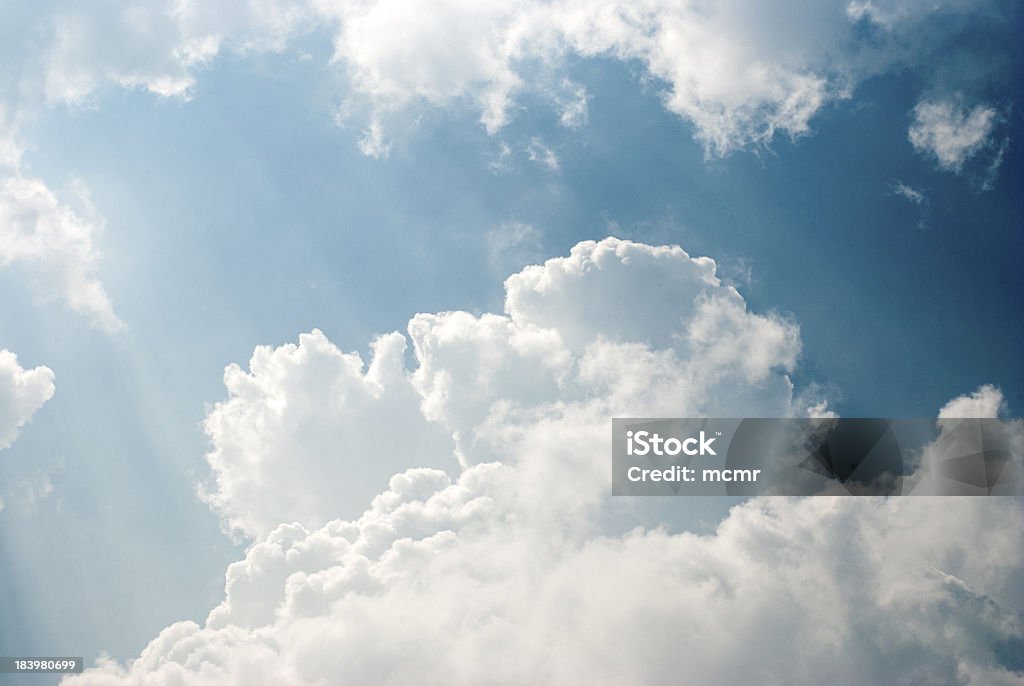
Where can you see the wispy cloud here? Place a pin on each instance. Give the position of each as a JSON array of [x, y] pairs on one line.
[[904, 191], [539, 152], [917, 197], [55, 246], [513, 245]]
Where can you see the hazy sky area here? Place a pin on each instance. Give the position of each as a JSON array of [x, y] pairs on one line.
[[180, 185]]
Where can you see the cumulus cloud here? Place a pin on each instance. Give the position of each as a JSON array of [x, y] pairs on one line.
[[309, 433], [951, 132], [394, 55], [936, 475], [736, 71], [22, 392], [447, 587], [984, 403], [55, 246], [508, 572], [616, 326]]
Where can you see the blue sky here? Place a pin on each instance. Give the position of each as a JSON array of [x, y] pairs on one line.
[[245, 214]]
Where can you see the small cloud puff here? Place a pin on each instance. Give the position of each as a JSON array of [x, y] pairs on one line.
[[952, 133], [22, 392]]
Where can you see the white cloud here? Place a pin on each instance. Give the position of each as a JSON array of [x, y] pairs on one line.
[[308, 434], [915, 196], [986, 402], [157, 45], [932, 477], [736, 75], [22, 392], [539, 152], [84, 54], [397, 53], [500, 162], [573, 105], [52, 244], [11, 148], [738, 71], [450, 586], [65, 54], [909, 192], [55, 246], [950, 132], [508, 574], [373, 144], [889, 13]]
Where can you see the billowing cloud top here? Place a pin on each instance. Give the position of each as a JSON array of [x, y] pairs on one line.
[[513, 571], [616, 327]]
